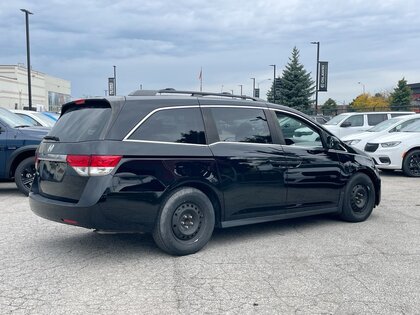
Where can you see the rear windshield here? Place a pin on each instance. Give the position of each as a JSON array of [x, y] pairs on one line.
[[81, 124]]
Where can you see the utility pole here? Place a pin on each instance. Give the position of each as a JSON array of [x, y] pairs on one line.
[[28, 56]]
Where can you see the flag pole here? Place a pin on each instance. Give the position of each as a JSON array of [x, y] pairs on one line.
[[201, 79]]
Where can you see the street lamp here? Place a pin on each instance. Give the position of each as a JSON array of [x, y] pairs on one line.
[[363, 86], [253, 87], [258, 84], [28, 56], [274, 83], [317, 69]]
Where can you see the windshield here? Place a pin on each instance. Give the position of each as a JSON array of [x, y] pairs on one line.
[[384, 125], [11, 119], [337, 119], [414, 127]]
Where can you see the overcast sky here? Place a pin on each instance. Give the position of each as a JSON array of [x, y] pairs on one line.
[[164, 43]]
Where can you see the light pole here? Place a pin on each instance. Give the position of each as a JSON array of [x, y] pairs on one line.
[[240, 85], [316, 80], [257, 90], [253, 87], [363, 86], [28, 56], [274, 83], [115, 80]]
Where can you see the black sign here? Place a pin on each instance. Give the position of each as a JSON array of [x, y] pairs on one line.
[[111, 86], [323, 76], [257, 93]]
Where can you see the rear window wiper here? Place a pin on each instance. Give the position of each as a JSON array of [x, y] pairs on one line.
[[52, 138]]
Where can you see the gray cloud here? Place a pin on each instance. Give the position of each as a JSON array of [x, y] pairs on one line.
[[164, 43]]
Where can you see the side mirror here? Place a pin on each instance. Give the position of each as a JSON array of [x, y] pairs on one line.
[[333, 142], [346, 124]]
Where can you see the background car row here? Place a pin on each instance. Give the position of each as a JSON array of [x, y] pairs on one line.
[[394, 144], [19, 139]]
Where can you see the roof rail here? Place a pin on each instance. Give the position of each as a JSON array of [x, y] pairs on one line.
[[192, 93]]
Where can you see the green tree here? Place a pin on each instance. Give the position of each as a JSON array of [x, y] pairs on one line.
[[329, 107], [295, 87], [401, 97]]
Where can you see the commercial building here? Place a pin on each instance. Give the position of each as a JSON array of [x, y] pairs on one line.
[[48, 92]]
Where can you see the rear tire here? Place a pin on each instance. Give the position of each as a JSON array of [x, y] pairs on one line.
[[411, 164], [24, 175], [185, 222], [359, 198]]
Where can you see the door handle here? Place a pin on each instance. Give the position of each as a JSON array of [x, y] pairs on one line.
[[286, 164]]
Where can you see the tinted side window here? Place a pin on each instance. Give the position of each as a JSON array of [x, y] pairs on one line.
[[181, 125], [374, 119], [355, 121], [297, 132], [241, 125]]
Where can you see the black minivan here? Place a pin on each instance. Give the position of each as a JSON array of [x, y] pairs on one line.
[[178, 164]]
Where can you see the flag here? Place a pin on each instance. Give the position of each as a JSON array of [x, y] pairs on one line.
[[200, 76]]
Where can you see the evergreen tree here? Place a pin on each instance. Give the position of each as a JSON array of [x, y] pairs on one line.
[[401, 97], [295, 87], [329, 107]]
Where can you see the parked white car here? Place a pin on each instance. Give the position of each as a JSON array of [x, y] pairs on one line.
[[359, 140], [35, 118], [349, 123], [398, 150]]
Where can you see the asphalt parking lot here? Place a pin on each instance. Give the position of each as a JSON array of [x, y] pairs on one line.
[[316, 265]]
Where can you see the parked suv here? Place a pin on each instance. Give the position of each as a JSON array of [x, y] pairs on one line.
[[178, 164], [18, 142]]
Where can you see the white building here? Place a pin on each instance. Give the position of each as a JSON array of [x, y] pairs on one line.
[[48, 91]]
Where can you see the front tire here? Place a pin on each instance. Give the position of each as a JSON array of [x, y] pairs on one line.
[[24, 175], [185, 222], [411, 164], [359, 198]]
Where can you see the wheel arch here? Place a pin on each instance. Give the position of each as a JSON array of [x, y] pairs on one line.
[[214, 196], [18, 156], [403, 166], [409, 151], [374, 178]]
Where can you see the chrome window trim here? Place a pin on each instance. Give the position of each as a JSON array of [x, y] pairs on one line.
[[233, 106], [164, 142], [53, 157], [126, 138]]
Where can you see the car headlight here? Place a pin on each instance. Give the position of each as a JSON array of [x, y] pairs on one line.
[[352, 142], [390, 144]]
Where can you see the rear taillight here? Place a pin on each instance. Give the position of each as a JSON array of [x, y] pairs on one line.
[[93, 165]]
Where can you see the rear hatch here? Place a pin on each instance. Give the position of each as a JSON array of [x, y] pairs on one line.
[[68, 155]]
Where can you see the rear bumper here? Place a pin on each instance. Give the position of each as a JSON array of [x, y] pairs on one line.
[[111, 213]]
